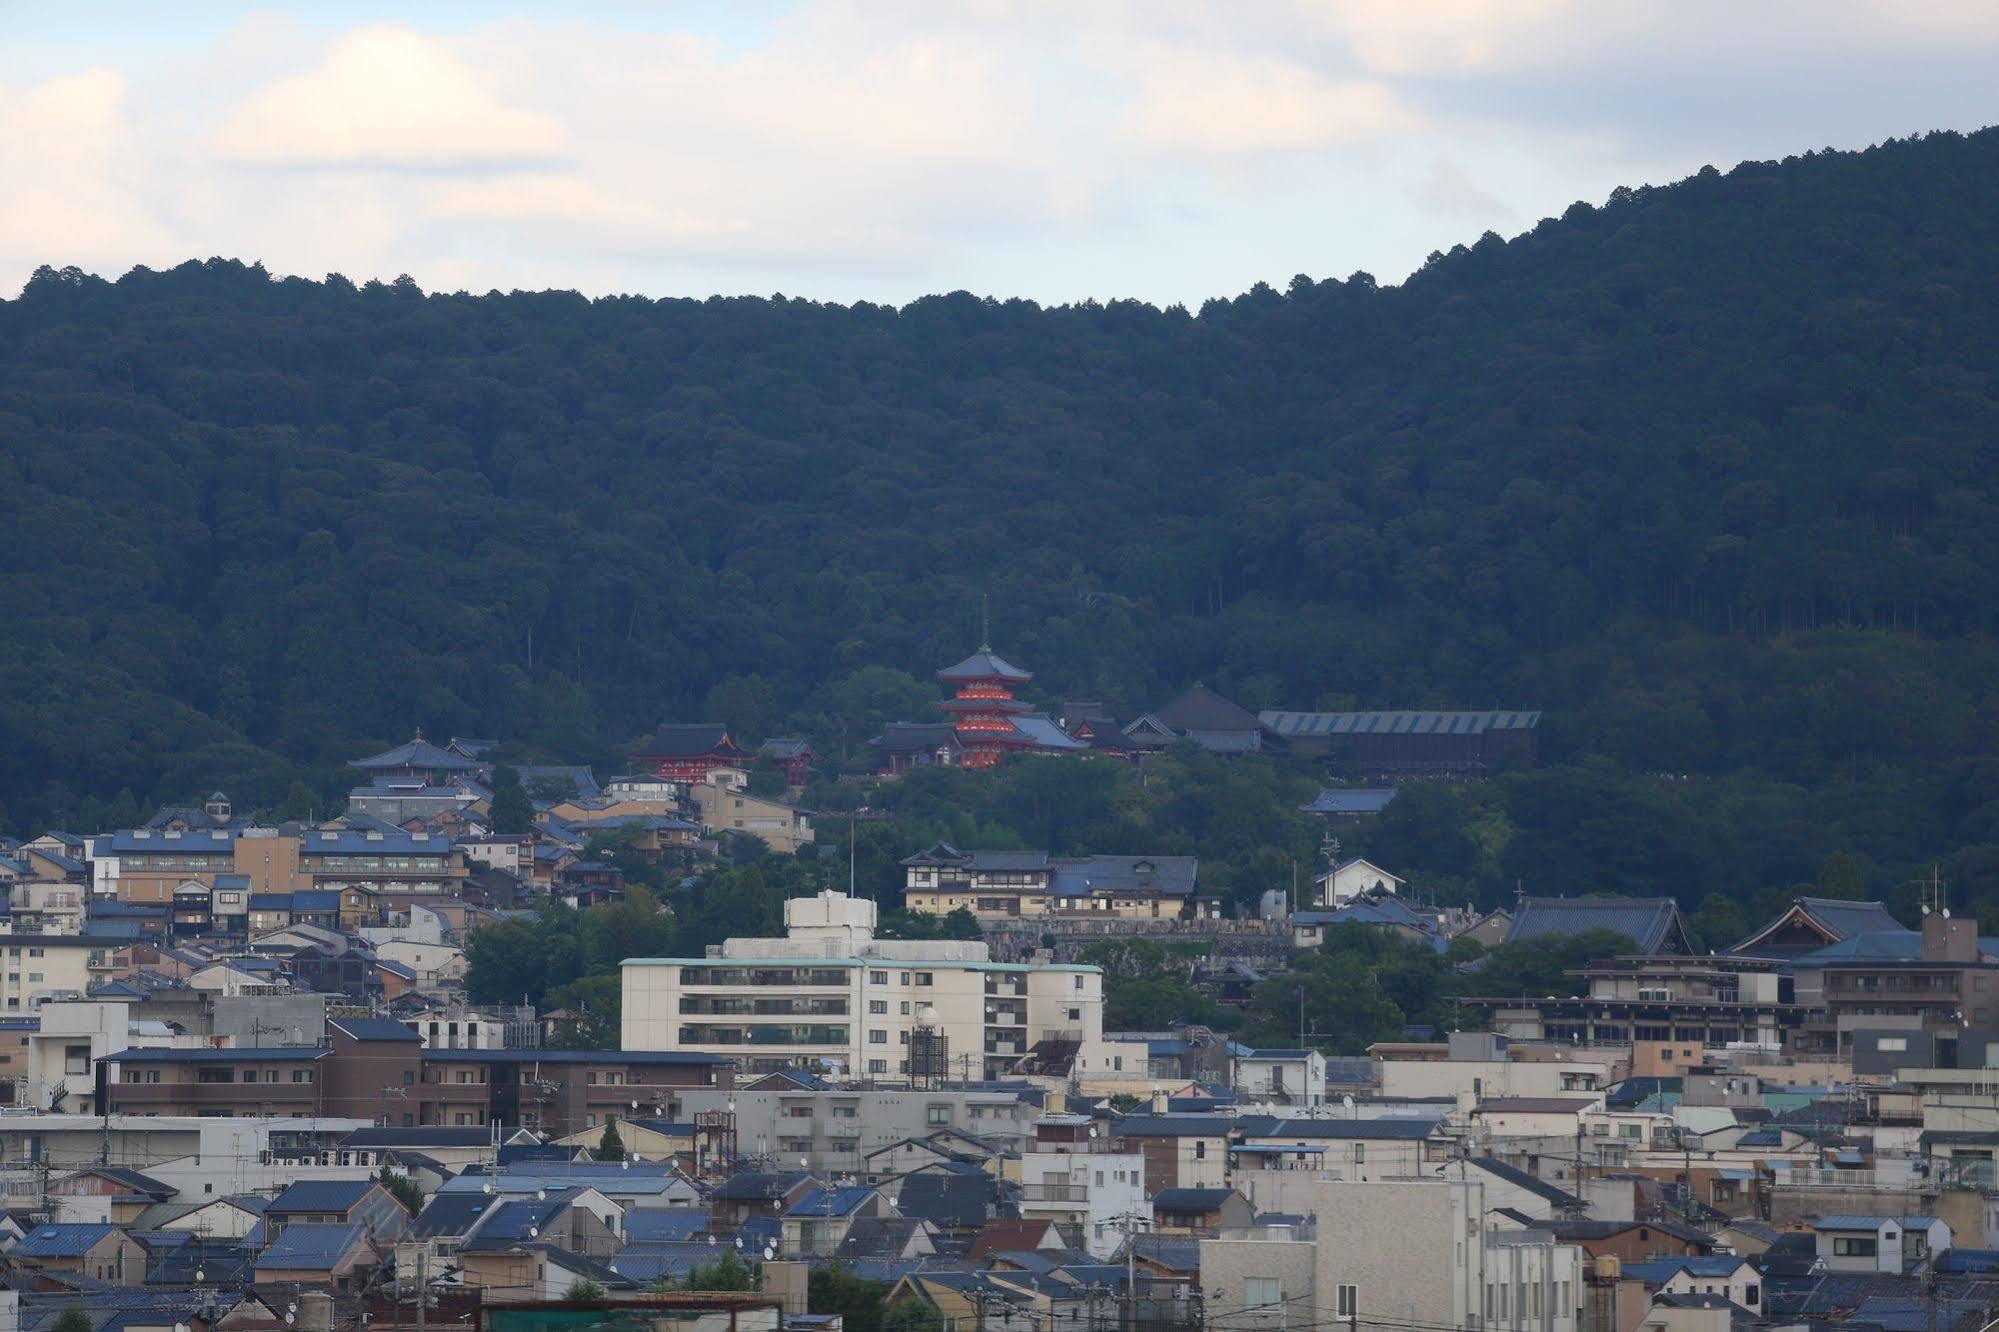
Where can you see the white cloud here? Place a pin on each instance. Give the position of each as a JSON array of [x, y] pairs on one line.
[[1169, 149], [386, 97], [70, 189]]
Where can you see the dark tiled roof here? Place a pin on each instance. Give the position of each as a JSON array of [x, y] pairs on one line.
[[952, 1200], [754, 1186], [1456, 722], [416, 754], [688, 740], [310, 1247], [373, 1029], [1190, 1200], [985, 664], [321, 1195], [1519, 1178], [1368, 801], [1202, 709], [1648, 921], [916, 737], [62, 1241]]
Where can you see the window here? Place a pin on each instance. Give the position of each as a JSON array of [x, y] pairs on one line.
[[1854, 1246], [938, 1114], [1075, 1015], [876, 1036], [1360, 1153], [905, 1008], [924, 978], [34, 977], [1200, 1151], [1348, 1305], [878, 1007], [905, 978], [1261, 1292], [1627, 1130], [76, 1059], [877, 978], [1079, 981], [1750, 1295], [878, 1066], [1891, 1043]]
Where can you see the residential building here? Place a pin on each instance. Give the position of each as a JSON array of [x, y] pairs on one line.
[[146, 864], [784, 828], [997, 885], [831, 994], [1286, 1077], [1892, 1244], [1713, 1000], [1180, 1151], [1351, 879]]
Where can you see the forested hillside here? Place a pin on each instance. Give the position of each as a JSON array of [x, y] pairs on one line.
[[1707, 473]]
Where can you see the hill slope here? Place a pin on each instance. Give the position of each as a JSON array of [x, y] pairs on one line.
[[1707, 472]]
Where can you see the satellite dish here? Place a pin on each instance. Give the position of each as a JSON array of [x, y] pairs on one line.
[[769, 1253]]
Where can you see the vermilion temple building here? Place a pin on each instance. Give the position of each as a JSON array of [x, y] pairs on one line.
[[690, 752]]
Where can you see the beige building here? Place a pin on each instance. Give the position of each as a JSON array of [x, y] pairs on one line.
[[723, 808], [45, 966], [830, 994]]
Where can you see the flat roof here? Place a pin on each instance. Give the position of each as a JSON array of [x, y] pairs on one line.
[[870, 963]]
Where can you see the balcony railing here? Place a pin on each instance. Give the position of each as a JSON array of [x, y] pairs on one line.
[[1064, 1193]]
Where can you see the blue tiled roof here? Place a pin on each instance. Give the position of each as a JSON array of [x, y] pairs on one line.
[[210, 1055], [1658, 1271], [321, 1195], [310, 1247], [662, 1225], [208, 842], [373, 1029], [451, 1214], [62, 1241], [831, 1202], [517, 1221]]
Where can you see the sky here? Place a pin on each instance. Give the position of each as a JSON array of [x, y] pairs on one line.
[[846, 150]]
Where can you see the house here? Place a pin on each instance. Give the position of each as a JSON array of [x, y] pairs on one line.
[[818, 1222], [1354, 878], [1508, 1186], [1898, 1245], [579, 1221], [1631, 1241], [750, 1194], [537, 1272], [1003, 1235], [230, 1217], [888, 1239], [1310, 929], [1400, 1145], [784, 828], [336, 1256], [1278, 1076], [329, 1202], [125, 1193], [956, 1202], [1180, 1151], [98, 1251], [1189, 1211], [1728, 1276], [1531, 1116]]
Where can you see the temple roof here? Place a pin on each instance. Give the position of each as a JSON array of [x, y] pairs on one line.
[[985, 665], [689, 740], [418, 753]]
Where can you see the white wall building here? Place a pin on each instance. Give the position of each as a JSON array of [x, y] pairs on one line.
[[1343, 883], [830, 994], [1101, 1194]]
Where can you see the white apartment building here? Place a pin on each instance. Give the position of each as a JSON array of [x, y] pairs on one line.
[[831, 995]]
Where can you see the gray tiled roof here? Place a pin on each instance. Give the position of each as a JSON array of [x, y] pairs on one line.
[[1647, 921]]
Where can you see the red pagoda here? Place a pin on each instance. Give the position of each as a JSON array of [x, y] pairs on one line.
[[984, 707]]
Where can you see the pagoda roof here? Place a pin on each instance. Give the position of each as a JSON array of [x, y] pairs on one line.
[[418, 753], [984, 705], [689, 740], [985, 665]]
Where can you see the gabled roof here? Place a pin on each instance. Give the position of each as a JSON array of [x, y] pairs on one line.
[[689, 740], [312, 1247], [663, 1225], [1653, 923], [451, 1213], [322, 1195], [1405, 722], [1009, 1236], [985, 664], [1402, 1127], [129, 1180], [959, 1201], [579, 775], [1834, 918], [759, 1186], [1172, 1126], [418, 753]]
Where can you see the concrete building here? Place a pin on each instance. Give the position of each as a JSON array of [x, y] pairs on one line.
[[1373, 1235], [831, 994], [838, 1128], [784, 828], [1001, 885], [204, 1157]]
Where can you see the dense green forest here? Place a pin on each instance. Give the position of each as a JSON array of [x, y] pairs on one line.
[[1706, 472]]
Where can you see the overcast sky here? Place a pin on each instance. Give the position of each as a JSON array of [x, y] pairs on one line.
[[879, 151]]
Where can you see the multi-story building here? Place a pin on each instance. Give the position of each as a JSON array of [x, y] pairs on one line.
[[996, 885], [1938, 983], [831, 994], [50, 966], [147, 864], [1071, 1177], [376, 1070], [1714, 1000]]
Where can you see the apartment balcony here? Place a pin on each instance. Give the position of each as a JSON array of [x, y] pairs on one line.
[[726, 1006], [1054, 1193]]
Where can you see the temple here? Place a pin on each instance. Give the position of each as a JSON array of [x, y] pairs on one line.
[[987, 721], [689, 753]]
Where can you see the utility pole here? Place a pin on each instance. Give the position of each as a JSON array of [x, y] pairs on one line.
[[422, 1283]]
